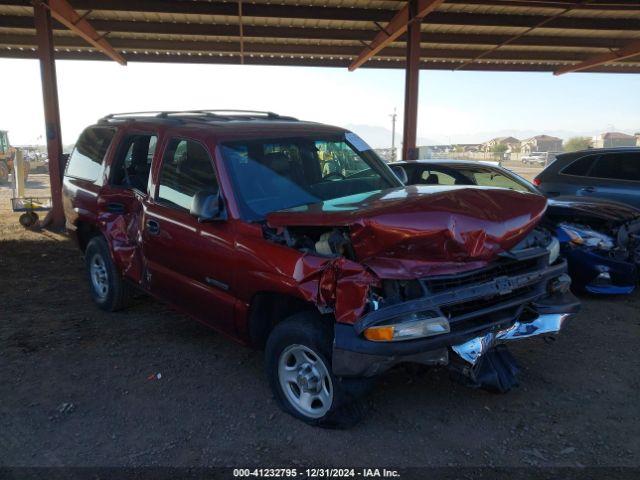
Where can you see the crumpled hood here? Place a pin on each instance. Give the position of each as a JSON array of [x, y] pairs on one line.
[[595, 208], [408, 232]]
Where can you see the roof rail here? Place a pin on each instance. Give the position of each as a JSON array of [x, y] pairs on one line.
[[198, 115]]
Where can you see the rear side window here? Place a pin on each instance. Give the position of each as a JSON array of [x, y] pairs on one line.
[[434, 177], [619, 166], [86, 160], [496, 179], [580, 167], [186, 169]]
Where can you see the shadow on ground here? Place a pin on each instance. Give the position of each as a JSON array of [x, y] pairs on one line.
[[148, 386]]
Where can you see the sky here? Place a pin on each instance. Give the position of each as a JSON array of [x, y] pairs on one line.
[[454, 107]]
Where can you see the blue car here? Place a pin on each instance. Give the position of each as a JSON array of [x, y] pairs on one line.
[[599, 238]]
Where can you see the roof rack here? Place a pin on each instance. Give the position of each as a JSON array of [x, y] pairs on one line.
[[195, 115]]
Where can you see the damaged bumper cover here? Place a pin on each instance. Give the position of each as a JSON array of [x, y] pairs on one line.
[[502, 303]]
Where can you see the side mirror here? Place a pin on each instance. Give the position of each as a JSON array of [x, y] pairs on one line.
[[400, 173], [207, 206]]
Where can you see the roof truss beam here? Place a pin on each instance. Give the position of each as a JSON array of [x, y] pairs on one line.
[[64, 13], [284, 60], [629, 51], [204, 47], [366, 14], [396, 27], [195, 30]]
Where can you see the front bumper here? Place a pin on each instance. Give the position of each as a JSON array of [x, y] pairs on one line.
[[354, 356], [547, 325], [496, 310]]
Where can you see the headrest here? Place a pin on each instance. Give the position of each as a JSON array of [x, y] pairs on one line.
[[278, 162], [432, 179]]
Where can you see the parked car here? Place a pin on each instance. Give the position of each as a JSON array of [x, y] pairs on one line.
[[600, 238], [611, 173], [535, 158], [340, 275], [539, 158]]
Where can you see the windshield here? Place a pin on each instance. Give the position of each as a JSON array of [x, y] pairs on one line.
[[274, 174]]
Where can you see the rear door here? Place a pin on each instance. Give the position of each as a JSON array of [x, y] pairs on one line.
[[189, 264], [616, 176], [571, 179], [84, 175]]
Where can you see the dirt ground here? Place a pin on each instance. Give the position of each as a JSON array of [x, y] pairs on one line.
[[148, 386]]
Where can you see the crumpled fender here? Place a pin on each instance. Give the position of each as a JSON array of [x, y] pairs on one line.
[[336, 284]]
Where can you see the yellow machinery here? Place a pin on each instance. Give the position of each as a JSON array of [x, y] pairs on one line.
[[7, 156]]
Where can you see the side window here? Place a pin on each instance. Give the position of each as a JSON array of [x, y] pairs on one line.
[[133, 161], [620, 166], [86, 160], [186, 169], [580, 167], [435, 177], [496, 179]]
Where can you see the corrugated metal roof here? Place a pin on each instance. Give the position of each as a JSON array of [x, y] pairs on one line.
[[333, 32]]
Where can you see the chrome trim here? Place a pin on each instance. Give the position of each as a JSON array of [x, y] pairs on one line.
[[549, 324]]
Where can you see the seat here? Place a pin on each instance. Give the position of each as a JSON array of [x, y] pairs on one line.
[[432, 179], [138, 171], [279, 163]]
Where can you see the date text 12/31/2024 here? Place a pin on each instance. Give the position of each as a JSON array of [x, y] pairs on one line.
[[315, 473]]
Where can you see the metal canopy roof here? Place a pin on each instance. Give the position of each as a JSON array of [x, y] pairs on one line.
[[500, 35]]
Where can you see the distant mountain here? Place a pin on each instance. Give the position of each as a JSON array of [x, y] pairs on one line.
[[380, 137]]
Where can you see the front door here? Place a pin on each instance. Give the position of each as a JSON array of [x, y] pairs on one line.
[[188, 263]]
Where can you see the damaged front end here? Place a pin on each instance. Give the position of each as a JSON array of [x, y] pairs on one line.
[[458, 320], [442, 278], [601, 241]]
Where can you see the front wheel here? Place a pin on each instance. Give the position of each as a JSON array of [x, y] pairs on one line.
[[298, 365], [108, 288]]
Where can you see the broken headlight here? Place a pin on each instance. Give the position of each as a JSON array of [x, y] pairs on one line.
[[554, 250], [578, 235], [409, 327]]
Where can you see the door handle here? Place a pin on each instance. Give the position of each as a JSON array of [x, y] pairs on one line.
[[115, 207], [153, 227], [588, 189]]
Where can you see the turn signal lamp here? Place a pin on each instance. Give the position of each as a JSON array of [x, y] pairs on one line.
[[416, 326]]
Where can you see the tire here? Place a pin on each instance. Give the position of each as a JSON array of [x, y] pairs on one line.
[[302, 344], [28, 219], [108, 289]]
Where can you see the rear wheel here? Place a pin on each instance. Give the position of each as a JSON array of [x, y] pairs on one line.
[[298, 364], [108, 289]]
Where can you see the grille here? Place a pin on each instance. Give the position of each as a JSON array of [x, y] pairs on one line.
[[461, 309], [508, 268]]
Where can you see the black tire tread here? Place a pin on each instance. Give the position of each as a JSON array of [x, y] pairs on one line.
[[316, 332], [120, 292]]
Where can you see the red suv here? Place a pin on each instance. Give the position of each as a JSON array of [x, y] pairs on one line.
[[295, 237]]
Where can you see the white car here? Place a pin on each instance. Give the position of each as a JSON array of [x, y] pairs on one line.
[[535, 158]]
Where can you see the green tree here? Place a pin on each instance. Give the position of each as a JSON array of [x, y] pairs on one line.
[[577, 143], [499, 149]]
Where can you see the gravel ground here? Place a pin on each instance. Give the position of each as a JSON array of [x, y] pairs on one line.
[[148, 386]]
